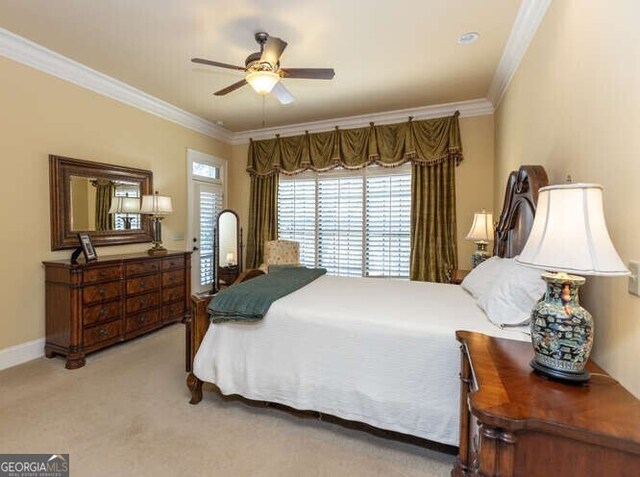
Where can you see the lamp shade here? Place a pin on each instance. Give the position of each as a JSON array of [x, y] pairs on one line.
[[263, 81], [125, 205], [569, 233], [482, 227], [231, 257], [156, 205]]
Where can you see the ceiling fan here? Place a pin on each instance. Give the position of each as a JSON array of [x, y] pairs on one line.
[[264, 72]]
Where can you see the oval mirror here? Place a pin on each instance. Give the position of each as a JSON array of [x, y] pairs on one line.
[[229, 248]]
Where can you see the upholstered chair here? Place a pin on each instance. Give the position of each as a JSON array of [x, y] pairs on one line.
[[280, 252]]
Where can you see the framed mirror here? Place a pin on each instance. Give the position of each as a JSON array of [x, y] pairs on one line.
[[227, 249], [100, 199]]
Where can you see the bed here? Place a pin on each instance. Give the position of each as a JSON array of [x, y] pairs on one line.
[[383, 353]]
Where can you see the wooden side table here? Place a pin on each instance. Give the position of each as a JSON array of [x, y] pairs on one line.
[[458, 275], [515, 423], [228, 275]]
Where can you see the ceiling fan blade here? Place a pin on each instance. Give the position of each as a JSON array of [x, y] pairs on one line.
[[217, 63], [309, 73], [231, 88], [282, 93], [273, 50]]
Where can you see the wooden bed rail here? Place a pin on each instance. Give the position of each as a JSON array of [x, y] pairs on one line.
[[197, 326]]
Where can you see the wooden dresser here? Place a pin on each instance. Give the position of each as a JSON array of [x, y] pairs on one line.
[[90, 306], [515, 423]]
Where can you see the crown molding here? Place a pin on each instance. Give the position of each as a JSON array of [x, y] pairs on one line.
[[474, 107], [524, 28], [29, 53]]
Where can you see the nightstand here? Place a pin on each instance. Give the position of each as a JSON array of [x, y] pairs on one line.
[[458, 275], [514, 423], [228, 275]]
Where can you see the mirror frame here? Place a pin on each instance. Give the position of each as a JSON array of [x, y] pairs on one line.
[[60, 170], [216, 247]]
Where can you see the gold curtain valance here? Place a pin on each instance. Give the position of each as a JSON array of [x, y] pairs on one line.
[[424, 142]]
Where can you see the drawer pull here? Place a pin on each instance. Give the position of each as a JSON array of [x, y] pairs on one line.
[[102, 332], [102, 274], [467, 381], [143, 319], [143, 284], [103, 313], [102, 291]]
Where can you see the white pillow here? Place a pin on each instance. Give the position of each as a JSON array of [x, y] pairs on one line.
[[510, 298], [480, 279]]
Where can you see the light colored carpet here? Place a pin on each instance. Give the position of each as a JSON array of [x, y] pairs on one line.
[[126, 414]]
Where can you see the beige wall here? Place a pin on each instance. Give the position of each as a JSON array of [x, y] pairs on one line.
[[574, 107], [43, 115], [474, 180]]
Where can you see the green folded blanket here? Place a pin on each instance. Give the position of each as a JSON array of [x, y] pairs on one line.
[[249, 301]]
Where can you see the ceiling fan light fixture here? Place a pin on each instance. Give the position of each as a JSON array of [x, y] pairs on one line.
[[263, 81]]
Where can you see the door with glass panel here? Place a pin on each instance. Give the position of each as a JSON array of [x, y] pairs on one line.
[[206, 196]]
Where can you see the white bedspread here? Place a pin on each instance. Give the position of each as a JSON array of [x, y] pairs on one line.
[[377, 351]]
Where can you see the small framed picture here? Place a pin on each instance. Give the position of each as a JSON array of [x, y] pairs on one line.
[[87, 247]]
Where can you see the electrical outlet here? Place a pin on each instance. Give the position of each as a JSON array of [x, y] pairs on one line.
[[634, 279]]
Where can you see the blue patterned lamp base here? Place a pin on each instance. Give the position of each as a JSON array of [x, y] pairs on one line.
[[480, 255], [561, 330]]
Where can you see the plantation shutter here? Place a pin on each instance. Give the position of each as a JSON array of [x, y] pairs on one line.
[[388, 225], [297, 216], [210, 198], [340, 225], [354, 223]]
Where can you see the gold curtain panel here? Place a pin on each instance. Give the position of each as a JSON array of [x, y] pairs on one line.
[[426, 142]]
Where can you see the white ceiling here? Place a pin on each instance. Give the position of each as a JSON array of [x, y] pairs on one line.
[[387, 55]]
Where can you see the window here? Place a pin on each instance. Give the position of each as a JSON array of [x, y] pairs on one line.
[[210, 205], [208, 171], [351, 223]]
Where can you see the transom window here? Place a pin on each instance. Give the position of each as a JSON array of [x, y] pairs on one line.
[[207, 171], [353, 223]]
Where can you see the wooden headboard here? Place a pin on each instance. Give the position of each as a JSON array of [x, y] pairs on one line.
[[518, 210]]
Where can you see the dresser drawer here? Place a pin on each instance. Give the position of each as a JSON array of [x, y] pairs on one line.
[[138, 268], [172, 262], [98, 274], [172, 294], [174, 310], [142, 284], [92, 315], [172, 278], [99, 333], [141, 320], [102, 292], [142, 302]]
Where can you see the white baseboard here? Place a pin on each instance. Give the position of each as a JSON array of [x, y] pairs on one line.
[[21, 353]]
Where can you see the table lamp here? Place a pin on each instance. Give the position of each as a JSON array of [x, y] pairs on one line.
[[158, 206], [568, 238], [482, 233], [125, 205]]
